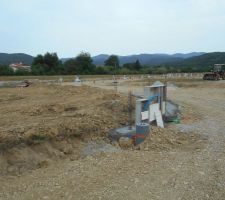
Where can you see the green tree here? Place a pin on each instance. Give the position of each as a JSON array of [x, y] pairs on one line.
[[51, 60], [37, 69], [112, 61], [21, 72], [82, 64], [129, 66], [6, 70], [137, 65], [101, 70], [38, 60], [159, 70], [124, 71], [70, 66], [47, 64], [104, 70]]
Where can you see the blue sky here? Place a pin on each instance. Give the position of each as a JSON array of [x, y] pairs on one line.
[[120, 27]]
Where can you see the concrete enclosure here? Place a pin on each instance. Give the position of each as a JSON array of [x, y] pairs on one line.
[[139, 109], [159, 89]]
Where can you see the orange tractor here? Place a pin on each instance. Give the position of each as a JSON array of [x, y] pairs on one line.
[[216, 74]]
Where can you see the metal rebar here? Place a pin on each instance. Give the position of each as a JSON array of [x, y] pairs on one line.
[[130, 109]]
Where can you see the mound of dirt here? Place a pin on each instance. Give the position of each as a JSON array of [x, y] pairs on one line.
[[46, 112], [20, 159], [171, 138], [42, 124]]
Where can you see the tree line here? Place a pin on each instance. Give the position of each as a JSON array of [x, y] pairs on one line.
[[50, 64]]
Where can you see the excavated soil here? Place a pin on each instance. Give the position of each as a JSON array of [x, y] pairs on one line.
[[44, 112], [58, 129], [37, 117]]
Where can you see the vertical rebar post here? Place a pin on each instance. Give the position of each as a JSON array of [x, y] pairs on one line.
[[130, 109], [115, 82], [116, 85]]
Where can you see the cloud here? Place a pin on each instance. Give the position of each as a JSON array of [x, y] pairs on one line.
[[104, 26]]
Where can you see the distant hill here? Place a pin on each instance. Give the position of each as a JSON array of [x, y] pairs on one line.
[[7, 59], [100, 59], [188, 55], [205, 60], [147, 59]]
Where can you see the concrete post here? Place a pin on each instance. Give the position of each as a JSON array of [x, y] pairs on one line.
[[139, 109]]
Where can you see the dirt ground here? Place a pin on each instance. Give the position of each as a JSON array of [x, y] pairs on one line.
[[183, 161], [53, 120]]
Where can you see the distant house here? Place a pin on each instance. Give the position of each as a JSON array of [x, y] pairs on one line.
[[16, 66]]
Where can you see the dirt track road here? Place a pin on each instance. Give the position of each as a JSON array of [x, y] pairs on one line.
[[194, 173]]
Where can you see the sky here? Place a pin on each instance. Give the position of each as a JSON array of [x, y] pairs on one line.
[[121, 27]]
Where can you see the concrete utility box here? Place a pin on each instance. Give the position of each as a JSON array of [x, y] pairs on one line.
[[160, 89], [139, 109]]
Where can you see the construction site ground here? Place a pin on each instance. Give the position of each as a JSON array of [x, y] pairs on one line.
[[54, 144]]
